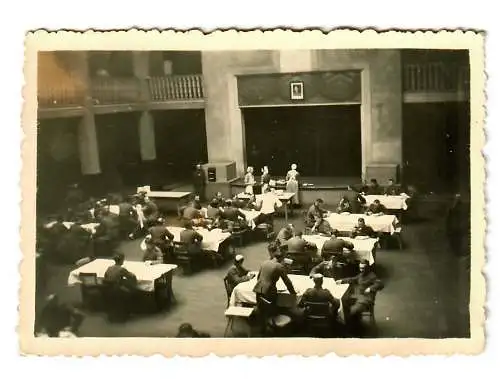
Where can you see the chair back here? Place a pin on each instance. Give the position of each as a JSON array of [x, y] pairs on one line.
[[88, 279], [317, 310], [301, 263], [227, 286]]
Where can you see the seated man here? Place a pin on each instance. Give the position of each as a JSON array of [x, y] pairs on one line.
[[219, 199], [268, 203], [364, 287], [214, 214], [344, 205], [237, 273], [356, 200], [196, 202], [335, 245], [318, 294], [362, 230], [152, 253], [314, 218], [284, 234], [121, 286], [298, 245], [150, 211], [191, 239], [392, 189], [234, 218], [127, 217], [162, 238], [376, 208], [374, 188]]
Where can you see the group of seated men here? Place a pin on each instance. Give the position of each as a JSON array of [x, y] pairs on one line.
[[134, 215], [364, 285], [227, 214]]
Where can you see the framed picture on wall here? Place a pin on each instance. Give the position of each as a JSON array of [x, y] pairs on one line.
[[297, 90]]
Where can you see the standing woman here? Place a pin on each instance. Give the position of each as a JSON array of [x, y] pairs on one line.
[[249, 181], [292, 184], [265, 179]]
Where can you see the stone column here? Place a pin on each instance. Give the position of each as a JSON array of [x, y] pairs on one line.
[[146, 122], [87, 135]]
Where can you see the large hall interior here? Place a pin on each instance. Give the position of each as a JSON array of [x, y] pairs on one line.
[[259, 193]]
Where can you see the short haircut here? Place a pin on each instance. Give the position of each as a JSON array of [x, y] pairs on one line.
[[361, 219], [188, 224], [119, 258], [319, 201], [272, 248], [373, 180], [214, 203], [298, 233]]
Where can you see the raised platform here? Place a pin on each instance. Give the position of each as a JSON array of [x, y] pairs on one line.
[[330, 189], [312, 183]]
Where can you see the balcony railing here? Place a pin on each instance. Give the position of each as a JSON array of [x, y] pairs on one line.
[[435, 77], [176, 87], [116, 90], [67, 93]]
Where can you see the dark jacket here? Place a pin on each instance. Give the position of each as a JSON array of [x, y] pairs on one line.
[[298, 245], [269, 274], [360, 283], [236, 275], [363, 231], [191, 213], [314, 215], [377, 208], [320, 295], [336, 245], [160, 234]]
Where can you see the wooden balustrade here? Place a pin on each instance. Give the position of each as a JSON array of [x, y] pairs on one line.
[[435, 77], [176, 87]]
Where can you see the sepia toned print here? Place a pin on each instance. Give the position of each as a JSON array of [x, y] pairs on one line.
[[237, 193]]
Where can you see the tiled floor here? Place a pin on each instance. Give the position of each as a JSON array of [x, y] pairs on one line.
[[424, 297]]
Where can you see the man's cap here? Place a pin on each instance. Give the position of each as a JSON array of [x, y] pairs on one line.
[[239, 258], [317, 277]]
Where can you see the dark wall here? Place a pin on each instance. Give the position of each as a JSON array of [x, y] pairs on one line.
[[119, 150], [181, 142], [436, 146], [58, 163], [183, 62], [116, 63], [323, 141]]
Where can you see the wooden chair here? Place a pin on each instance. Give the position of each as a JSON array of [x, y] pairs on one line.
[[183, 258], [91, 290], [318, 318], [397, 237], [301, 263], [227, 286]]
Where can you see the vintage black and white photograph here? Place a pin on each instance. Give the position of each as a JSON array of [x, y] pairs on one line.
[[185, 194]]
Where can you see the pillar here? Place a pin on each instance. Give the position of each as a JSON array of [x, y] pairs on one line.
[[87, 135], [147, 145]]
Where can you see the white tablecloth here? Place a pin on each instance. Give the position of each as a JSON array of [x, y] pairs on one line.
[[146, 274], [390, 202], [243, 292], [250, 215], [211, 238], [346, 222], [282, 196], [89, 227], [363, 247]]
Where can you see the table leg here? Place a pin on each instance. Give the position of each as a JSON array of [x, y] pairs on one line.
[[286, 213], [229, 325]]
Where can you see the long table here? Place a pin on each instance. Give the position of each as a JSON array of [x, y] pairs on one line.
[[153, 281], [146, 274], [169, 200], [243, 292], [346, 222], [284, 197], [212, 239], [393, 202], [363, 247]]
